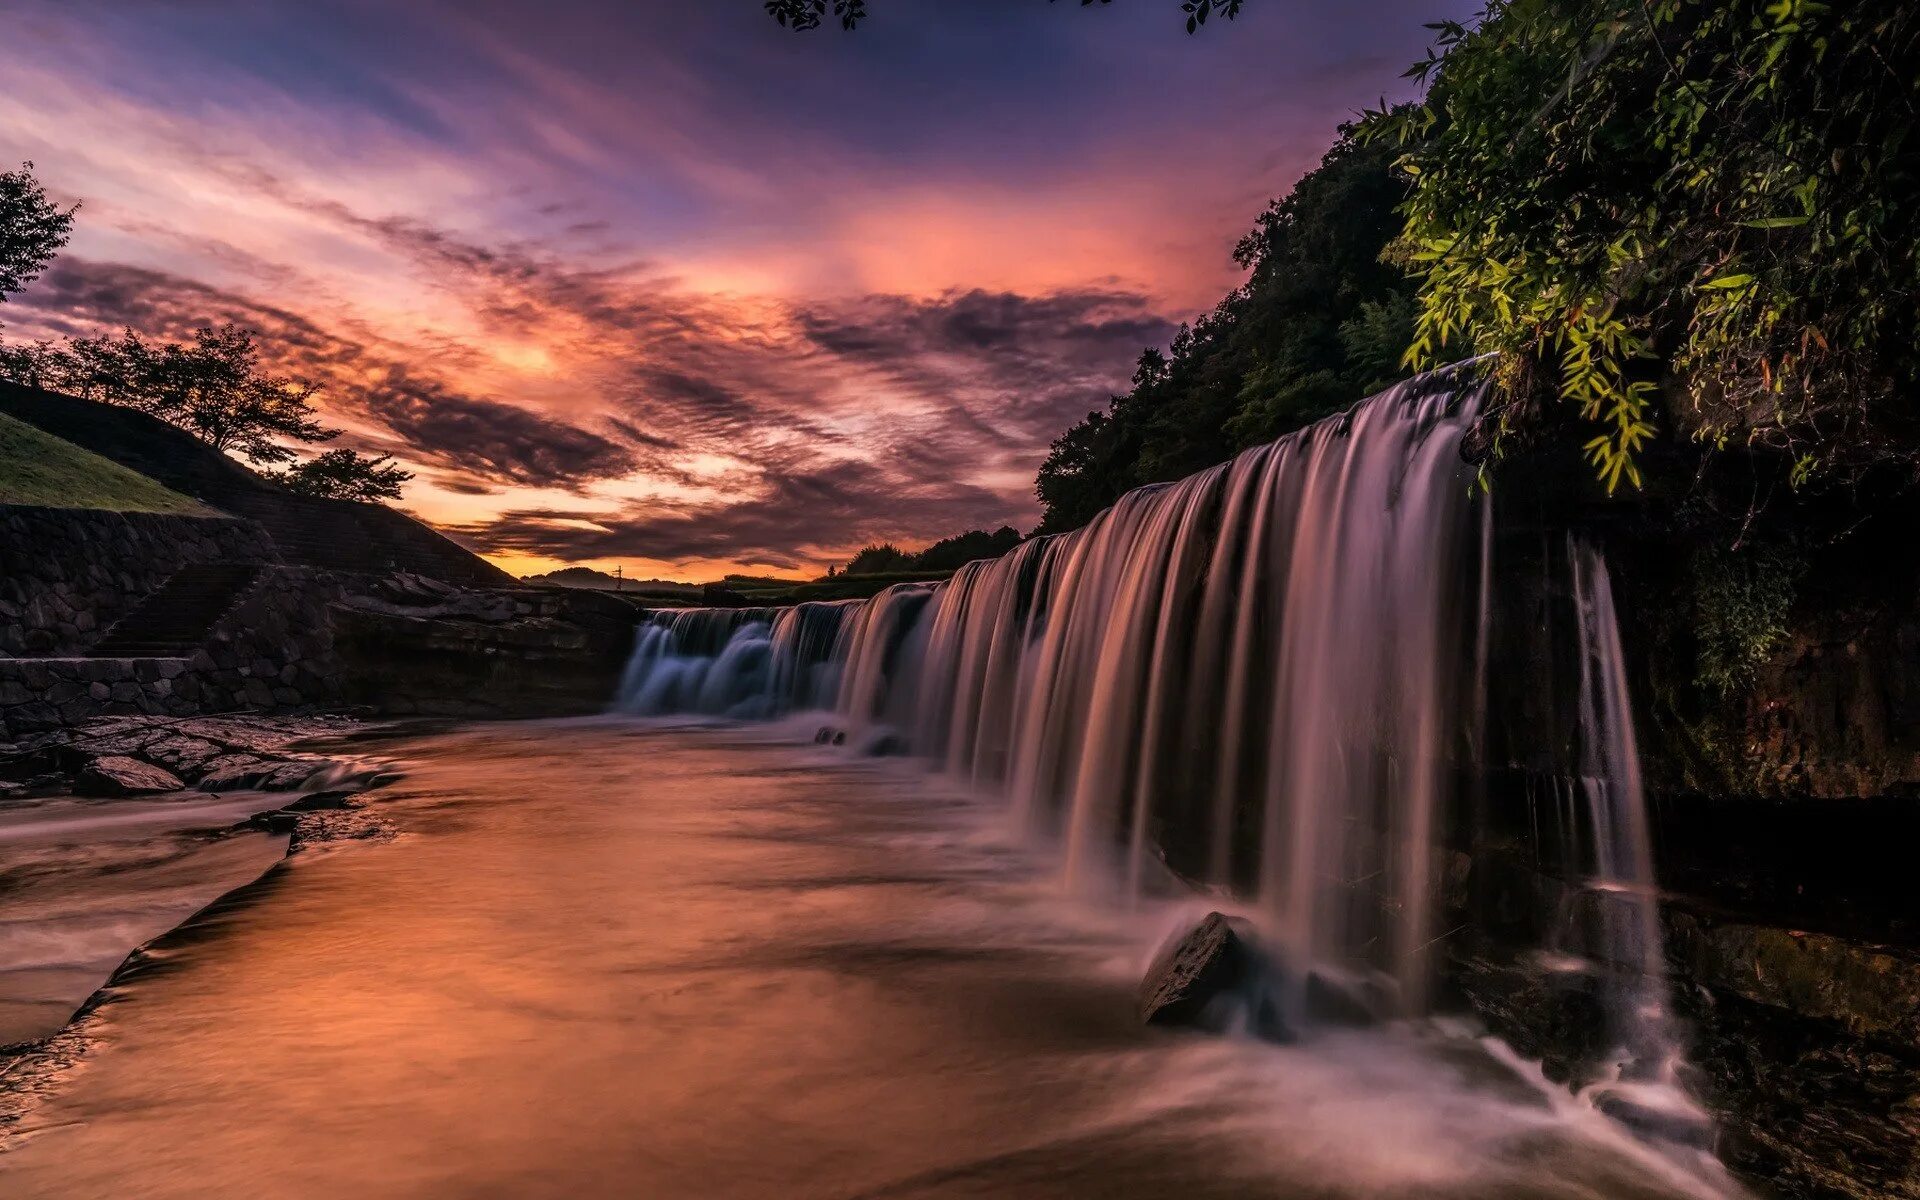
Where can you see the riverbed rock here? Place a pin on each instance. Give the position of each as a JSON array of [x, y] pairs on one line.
[[1338, 998], [1214, 977], [117, 775], [1657, 1114], [233, 772]]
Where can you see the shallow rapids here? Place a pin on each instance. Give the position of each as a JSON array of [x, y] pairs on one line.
[[607, 959]]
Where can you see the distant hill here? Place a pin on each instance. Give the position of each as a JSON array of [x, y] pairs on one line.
[[601, 581], [339, 535], [39, 468]]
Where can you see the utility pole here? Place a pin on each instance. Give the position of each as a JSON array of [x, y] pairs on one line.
[[619, 575]]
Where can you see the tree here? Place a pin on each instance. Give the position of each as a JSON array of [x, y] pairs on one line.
[[804, 15], [1320, 322], [947, 554], [1680, 212], [35, 364], [214, 387], [32, 229], [882, 559], [340, 474]]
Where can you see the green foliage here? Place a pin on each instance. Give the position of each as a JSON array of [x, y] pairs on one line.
[[1712, 201], [341, 474], [39, 468], [32, 229], [1740, 601], [948, 554], [214, 386], [1320, 323], [803, 15], [879, 559]]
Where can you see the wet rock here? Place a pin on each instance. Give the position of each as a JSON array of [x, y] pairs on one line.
[[276, 821], [288, 777], [317, 801], [1338, 999], [1660, 1115], [1214, 977], [116, 775], [231, 772]]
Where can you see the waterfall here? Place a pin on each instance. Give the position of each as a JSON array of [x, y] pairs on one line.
[[1271, 678], [1619, 929], [1263, 671]]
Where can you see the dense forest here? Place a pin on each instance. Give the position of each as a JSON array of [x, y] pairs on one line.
[[947, 554], [1681, 229]]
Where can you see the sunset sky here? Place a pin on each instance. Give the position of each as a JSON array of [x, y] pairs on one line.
[[658, 283]]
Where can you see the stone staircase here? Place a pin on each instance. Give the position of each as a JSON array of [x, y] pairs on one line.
[[175, 620]]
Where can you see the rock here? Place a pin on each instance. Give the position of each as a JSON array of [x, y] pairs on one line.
[[117, 775], [277, 821], [1339, 999], [287, 777], [1657, 1114], [232, 772], [316, 801], [1212, 978]]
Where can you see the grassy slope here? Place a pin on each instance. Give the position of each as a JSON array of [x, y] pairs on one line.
[[38, 468]]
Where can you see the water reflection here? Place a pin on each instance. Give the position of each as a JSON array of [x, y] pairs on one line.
[[605, 960]]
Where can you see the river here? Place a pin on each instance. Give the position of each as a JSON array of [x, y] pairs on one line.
[[614, 959]]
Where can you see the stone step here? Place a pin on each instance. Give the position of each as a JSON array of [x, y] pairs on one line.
[[178, 616]]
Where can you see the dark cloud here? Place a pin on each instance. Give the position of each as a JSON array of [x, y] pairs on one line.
[[490, 439], [832, 424], [792, 519], [1029, 363]]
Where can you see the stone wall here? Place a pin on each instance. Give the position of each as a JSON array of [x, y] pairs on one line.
[[410, 646], [273, 650], [66, 574]]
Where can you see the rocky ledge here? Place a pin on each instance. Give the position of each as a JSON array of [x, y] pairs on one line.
[[136, 755]]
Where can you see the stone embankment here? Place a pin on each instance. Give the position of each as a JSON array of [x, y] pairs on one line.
[[66, 574]]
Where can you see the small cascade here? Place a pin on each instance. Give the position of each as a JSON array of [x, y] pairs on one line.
[[746, 663], [1614, 920]]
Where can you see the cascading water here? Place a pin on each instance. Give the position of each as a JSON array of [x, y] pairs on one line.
[[1609, 839], [1271, 674], [1259, 669]]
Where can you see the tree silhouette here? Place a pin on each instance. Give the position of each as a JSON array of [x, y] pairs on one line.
[[32, 229], [213, 387], [340, 474]]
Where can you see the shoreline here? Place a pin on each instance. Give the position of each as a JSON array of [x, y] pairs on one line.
[[31, 1071]]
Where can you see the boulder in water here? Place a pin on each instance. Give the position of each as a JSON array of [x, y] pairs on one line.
[[1338, 998], [1214, 977], [118, 775], [1656, 1113]]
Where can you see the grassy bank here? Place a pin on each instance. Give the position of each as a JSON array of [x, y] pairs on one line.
[[38, 468]]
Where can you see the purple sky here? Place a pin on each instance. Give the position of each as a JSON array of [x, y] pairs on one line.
[[661, 284]]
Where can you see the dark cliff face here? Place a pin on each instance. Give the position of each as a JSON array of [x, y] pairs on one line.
[[1774, 657], [409, 645]]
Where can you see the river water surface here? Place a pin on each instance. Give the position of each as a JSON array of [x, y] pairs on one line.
[[607, 959]]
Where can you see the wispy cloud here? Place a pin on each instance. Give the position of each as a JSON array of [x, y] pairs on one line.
[[655, 283]]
